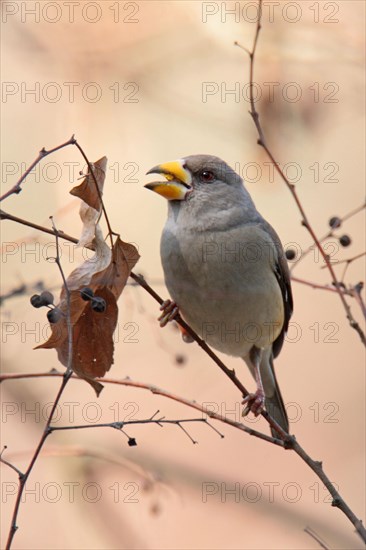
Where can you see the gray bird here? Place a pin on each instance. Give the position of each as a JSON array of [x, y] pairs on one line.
[[226, 270]]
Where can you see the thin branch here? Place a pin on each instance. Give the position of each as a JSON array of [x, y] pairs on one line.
[[23, 479], [68, 300], [91, 170], [337, 501], [304, 218], [121, 424], [320, 287], [290, 443], [117, 425], [328, 235], [156, 391], [316, 537], [46, 432], [20, 474], [348, 262], [5, 216], [356, 293], [42, 154]]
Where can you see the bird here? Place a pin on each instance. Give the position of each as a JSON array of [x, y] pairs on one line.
[[225, 270]]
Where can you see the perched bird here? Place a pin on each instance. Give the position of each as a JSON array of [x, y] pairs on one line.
[[225, 270]]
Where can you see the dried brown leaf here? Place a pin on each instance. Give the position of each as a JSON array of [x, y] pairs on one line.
[[92, 331], [106, 273], [114, 277], [87, 191]]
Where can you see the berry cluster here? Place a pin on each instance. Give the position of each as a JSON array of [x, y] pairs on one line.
[[45, 299], [334, 223], [98, 304]]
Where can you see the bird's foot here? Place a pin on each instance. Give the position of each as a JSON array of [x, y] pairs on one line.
[[170, 311], [254, 402]]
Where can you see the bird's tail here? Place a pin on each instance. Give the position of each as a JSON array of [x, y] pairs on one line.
[[274, 402]]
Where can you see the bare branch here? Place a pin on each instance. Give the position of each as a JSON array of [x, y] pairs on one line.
[[316, 537], [42, 154], [66, 377], [304, 218], [290, 442]]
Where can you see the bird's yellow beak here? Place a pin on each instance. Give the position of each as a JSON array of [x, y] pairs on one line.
[[178, 180]]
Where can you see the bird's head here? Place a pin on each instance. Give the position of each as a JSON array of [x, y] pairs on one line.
[[194, 175]]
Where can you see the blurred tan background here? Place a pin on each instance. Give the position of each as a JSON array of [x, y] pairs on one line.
[[142, 83]]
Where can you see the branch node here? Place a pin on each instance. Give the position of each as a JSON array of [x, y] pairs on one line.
[[117, 425], [336, 502], [289, 442]]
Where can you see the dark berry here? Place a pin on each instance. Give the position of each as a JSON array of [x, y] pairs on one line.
[[99, 304], [335, 222], [87, 293], [132, 442], [345, 240], [36, 301], [54, 315], [290, 254], [47, 298]]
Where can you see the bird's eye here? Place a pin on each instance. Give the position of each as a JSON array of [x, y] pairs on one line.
[[207, 176]]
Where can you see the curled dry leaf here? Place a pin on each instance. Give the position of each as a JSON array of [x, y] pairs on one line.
[[91, 204], [87, 190], [106, 273]]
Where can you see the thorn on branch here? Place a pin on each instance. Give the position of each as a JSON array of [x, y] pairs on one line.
[[214, 429], [155, 413], [20, 474], [187, 434]]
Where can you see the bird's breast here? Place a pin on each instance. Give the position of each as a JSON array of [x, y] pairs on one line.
[[224, 284]]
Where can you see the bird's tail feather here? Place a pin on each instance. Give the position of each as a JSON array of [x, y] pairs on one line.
[[275, 405], [274, 402]]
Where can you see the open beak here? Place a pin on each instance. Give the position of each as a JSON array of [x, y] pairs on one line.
[[178, 180]]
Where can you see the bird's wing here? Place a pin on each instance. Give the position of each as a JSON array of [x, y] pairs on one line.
[[282, 274]]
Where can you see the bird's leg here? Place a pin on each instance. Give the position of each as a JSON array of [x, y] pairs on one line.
[[170, 311], [255, 401]]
